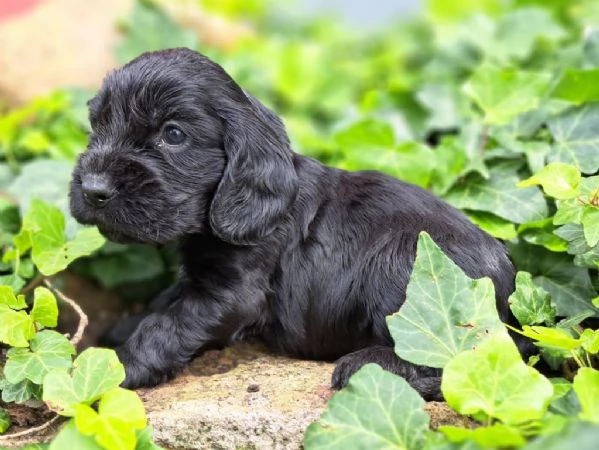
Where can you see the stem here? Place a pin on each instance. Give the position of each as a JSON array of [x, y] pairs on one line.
[[576, 358], [30, 431], [83, 320], [35, 282]]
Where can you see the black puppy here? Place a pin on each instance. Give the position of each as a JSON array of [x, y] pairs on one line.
[[275, 245]]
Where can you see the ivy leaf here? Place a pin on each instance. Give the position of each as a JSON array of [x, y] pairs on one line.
[[8, 298], [45, 309], [492, 381], [519, 31], [120, 413], [445, 312], [70, 437], [145, 440], [165, 32], [531, 304], [371, 413], [578, 86], [49, 350], [95, 372], [492, 436], [591, 48], [573, 234], [590, 340], [51, 251], [558, 180], [577, 137], [5, 421], [542, 232], [134, 263], [590, 223], [586, 386], [503, 94], [17, 327], [499, 195], [552, 337], [19, 392], [578, 435], [495, 226], [570, 287], [366, 135]]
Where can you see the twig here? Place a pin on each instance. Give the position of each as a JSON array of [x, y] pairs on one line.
[[39, 279], [83, 321], [30, 431]]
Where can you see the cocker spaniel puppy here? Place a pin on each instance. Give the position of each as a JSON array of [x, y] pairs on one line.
[[274, 245]]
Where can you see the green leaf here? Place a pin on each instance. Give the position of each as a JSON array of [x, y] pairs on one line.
[[586, 386], [19, 392], [371, 412], [590, 340], [95, 372], [558, 180], [569, 211], [365, 135], [505, 93], [590, 223], [552, 337], [120, 413], [136, 263], [493, 382], [578, 86], [51, 251], [145, 440], [577, 137], [493, 436], [17, 327], [8, 298], [49, 350], [542, 232], [574, 235], [499, 195], [495, 226], [5, 420], [165, 33], [47, 180], [45, 309], [519, 31], [445, 312], [578, 435], [70, 438], [531, 304], [570, 287], [591, 48]]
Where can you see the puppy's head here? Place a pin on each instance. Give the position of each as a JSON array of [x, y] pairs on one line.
[[178, 148]]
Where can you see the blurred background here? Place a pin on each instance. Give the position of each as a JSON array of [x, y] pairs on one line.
[[360, 84]]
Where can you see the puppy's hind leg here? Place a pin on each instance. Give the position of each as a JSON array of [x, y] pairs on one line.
[[426, 380]]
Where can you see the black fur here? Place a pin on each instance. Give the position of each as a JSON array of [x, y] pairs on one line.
[[274, 245]]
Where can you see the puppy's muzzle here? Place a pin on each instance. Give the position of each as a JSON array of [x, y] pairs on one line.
[[97, 190]]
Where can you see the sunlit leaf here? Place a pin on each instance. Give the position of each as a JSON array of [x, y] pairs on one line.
[[95, 372], [445, 312], [49, 350], [504, 93], [371, 412], [492, 381]]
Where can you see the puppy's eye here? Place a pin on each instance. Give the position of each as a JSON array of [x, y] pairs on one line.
[[173, 135]]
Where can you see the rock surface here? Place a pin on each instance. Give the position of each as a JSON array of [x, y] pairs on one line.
[[241, 397]]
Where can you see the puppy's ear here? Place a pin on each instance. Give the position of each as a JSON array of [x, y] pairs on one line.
[[259, 183]]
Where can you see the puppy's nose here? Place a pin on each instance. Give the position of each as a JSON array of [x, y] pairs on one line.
[[97, 190]]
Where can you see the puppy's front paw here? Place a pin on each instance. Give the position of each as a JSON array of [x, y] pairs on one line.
[[346, 367], [139, 374]]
